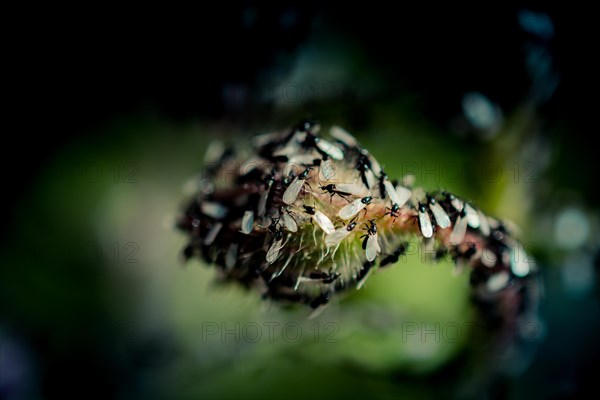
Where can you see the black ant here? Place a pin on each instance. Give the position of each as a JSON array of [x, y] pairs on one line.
[[325, 277], [362, 165], [393, 211], [276, 231], [331, 189], [393, 258], [382, 178], [366, 267], [321, 300], [371, 230]]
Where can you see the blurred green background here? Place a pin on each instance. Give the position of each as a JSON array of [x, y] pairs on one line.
[[94, 299]]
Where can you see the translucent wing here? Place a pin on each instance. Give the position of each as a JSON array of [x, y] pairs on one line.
[[375, 167], [213, 210], [456, 203], [403, 195], [459, 230], [519, 261], [327, 170], [247, 222], [355, 189], [390, 191], [212, 234], [273, 252], [291, 146], [343, 136], [350, 210], [264, 139], [373, 248], [484, 225], [472, 216], [371, 178], [335, 238], [324, 222], [289, 222], [214, 152], [262, 203], [488, 258], [441, 218], [425, 224], [330, 149], [291, 193], [231, 256], [497, 281]]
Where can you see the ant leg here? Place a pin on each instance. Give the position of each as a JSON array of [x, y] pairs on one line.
[[344, 197]]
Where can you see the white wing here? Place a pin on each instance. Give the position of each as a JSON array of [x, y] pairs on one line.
[[373, 248], [264, 139], [484, 226], [247, 222], [408, 180], [231, 256], [375, 167], [213, 210], [425, 224], [457, 203], [403, 194], [459, 230], [472, 216], [262, 203], [300, 159], [324, 222], [356, 189], [343, 136], [289, 222], [371, 178], [295, 164], [350, 210], [214, 152], [390, 191], [519, 261], [335, 238], [327, 170], [441, 218], [488, 258], [291, 193], [273, 252], [330, 149], [212, 234], [497, 281], [291, 147]]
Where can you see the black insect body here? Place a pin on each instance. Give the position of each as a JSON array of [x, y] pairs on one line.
[[331, 189], [363, 165], [321, 300], [393, 258], [371, 230], [275, 230], [325, 277], [382, 185], [393, 212]]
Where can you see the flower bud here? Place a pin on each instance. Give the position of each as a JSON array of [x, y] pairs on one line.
[[303, 218]]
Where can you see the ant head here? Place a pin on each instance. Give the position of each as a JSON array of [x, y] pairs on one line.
[[309, 210], [306, 125]]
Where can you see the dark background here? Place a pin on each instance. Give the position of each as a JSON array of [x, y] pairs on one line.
[[74, 73]]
